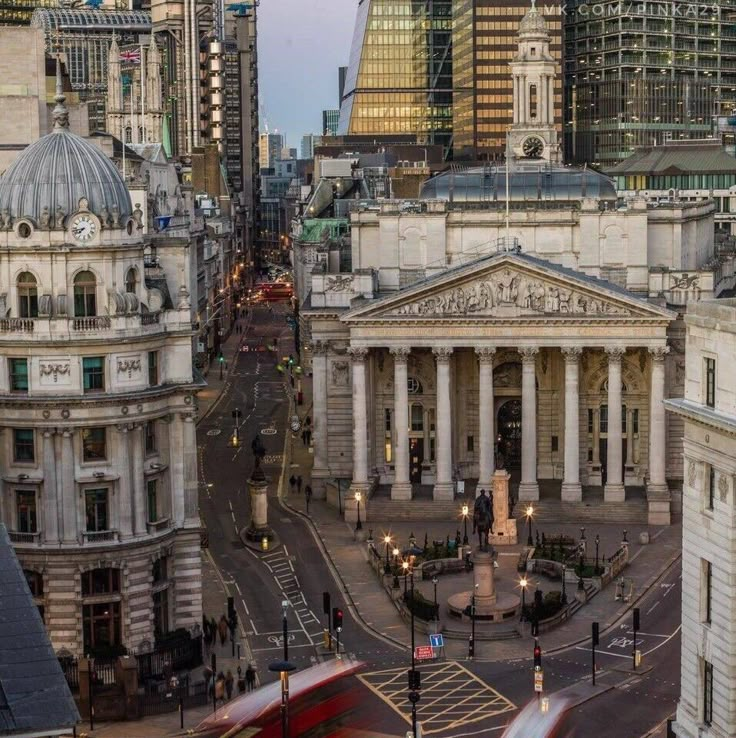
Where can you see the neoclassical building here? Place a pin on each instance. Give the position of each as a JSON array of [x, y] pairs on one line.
[[98, 471], [540, 331]]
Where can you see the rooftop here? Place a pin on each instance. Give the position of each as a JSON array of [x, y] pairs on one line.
[[681, 157], [34, 695]]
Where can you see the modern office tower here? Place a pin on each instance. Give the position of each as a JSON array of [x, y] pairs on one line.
[[706, 707], [653, 73], [20, 12], [399, 79], [330, 119], [342, 73], [309, 141], [484, 44], [269, 149]]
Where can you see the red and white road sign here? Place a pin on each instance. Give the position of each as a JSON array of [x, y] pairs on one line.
[[423, 653]]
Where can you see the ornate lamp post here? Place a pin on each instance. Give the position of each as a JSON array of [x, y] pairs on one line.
[[387, 541], [564, 593], [405, 567], [597, 543], [529, 512], [523, 582], [465, 525], [358, 524]]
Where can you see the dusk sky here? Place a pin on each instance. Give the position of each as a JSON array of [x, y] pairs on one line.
[[301, 43]]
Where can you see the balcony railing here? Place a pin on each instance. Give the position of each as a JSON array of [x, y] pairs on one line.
[[99, 536], [157, 526], [150, 318], [16, 325], [18, 537], [96, 323]]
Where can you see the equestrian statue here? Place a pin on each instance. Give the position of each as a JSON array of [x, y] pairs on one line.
[[483, 518]]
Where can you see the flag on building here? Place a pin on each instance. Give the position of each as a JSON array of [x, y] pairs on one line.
[[131, 56]]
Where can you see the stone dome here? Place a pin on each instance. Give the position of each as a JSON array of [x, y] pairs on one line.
[[533, 22], [53, 174]]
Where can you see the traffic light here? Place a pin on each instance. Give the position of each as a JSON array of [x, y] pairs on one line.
[[636, 618], [326, 603], [221, 358], [230, 607], [415, 679], [595, 634], [537, 656], [336, 618]]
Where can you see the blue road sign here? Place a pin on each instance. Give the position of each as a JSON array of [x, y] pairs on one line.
[[436, 640]]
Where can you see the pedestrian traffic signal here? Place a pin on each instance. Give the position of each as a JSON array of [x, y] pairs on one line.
[[336, 618], [537, 656], [326, 603], [595, 634]]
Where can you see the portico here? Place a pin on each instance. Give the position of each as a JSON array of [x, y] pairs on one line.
[[432, 368]]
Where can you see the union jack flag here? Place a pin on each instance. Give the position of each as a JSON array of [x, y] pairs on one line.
[[131, 56]]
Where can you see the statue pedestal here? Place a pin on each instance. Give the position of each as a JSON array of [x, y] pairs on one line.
[[504, 528], [258, 529]]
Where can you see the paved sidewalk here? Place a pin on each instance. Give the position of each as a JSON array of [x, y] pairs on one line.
[[369, 601]]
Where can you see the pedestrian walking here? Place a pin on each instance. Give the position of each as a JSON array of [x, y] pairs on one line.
[[308, 421], [304, 437], [299, 484], [222, 629], [229, 681], [308, 495], [241, 680], [292, 482], [220, 687], [250, 678], [309, 436]]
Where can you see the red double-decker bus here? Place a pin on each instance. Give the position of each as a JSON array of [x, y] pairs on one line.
[[325, 701]]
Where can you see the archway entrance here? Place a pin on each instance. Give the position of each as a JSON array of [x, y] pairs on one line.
[[509, 434]]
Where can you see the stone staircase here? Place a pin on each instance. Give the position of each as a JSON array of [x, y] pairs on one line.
[[383, 509]]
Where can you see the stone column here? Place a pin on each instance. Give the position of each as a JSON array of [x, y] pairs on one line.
[[529, 487], [596, 436], [176, 468], [401, 488], [485, 418], [571, 489], [190, 490], [125, 484], [516, 99], [69, 503], [360, 422], [51, 507], [138, 484], [658, 494], [629, 437], [320, 469], [443, 482], [614, 490]]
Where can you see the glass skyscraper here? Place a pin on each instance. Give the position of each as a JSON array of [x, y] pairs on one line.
[[399, 79], [638, 74]]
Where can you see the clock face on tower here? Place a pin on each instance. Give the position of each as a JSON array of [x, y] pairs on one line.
[[83, 228], [533, 147]]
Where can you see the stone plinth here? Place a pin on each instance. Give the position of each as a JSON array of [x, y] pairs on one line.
[[490, 606], [504, 529], [258, 489]]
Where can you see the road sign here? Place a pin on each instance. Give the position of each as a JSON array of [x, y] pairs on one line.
[[538, 681], [436, 640], [423, 653]]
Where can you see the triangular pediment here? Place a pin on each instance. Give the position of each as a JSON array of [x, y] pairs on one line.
[[509, 286]]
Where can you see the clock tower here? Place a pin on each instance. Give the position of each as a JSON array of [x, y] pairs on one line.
[[533, 135]]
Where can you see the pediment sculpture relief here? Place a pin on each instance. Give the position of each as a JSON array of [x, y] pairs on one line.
[[510, 288]]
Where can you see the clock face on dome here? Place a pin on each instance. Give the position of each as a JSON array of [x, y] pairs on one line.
[[83, 228], [533, 147]]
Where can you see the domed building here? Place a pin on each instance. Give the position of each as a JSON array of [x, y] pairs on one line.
[[97, 404]]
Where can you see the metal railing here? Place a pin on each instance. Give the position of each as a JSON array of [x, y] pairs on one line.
[[99, 536], [150, 318], [19, 537]]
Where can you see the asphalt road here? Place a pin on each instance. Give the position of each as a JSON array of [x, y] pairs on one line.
[[459, 699]]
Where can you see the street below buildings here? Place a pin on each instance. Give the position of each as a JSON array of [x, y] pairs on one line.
[[459, 697]]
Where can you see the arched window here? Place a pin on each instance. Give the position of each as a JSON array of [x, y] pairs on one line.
[[131, 280], [128, 135], [85, 295], [27, 295]]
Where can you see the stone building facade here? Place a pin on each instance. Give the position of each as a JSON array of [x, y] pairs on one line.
[[97, 404], [706, 708]]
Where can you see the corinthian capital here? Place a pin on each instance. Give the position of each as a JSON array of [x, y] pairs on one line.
[[529, 353], [615, 353], [400, 353], [320, 348], [358, 353], [572, 354], [658, 352], [442, 353], [485, 354]]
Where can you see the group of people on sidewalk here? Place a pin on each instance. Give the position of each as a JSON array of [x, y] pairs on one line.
[[220, 688]]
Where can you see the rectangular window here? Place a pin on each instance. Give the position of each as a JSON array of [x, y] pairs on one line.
[[590, 420], [152, 494], [387, 420], [555, 444], [635, 421], [18, 375], [623, 419], [604, 419], [710, 382], [417, 418], [94, 444], [101, 581], [95, 507], [160, 570], [25, 501], [707, 590], [707, 692], [101, 625], [161, 612], [388, 451], [151, 444], [93, 372], [23, 450], [711, 490], [471, 443], [153, 368]]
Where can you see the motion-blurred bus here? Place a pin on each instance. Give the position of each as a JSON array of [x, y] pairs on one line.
[[532, 722], [276, 291]]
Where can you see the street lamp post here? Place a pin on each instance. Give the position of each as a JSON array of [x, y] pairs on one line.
[[285, 628], [283, 668], [396, 576], [387, 541], [437, 610], [597, 543], [465, 525], [471, 653], [522, 583], [529, 512], [581, 583], [413, 662], [405, 567], [564, 593], [358, 524]]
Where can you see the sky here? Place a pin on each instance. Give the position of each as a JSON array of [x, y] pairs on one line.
[[301, 43]]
